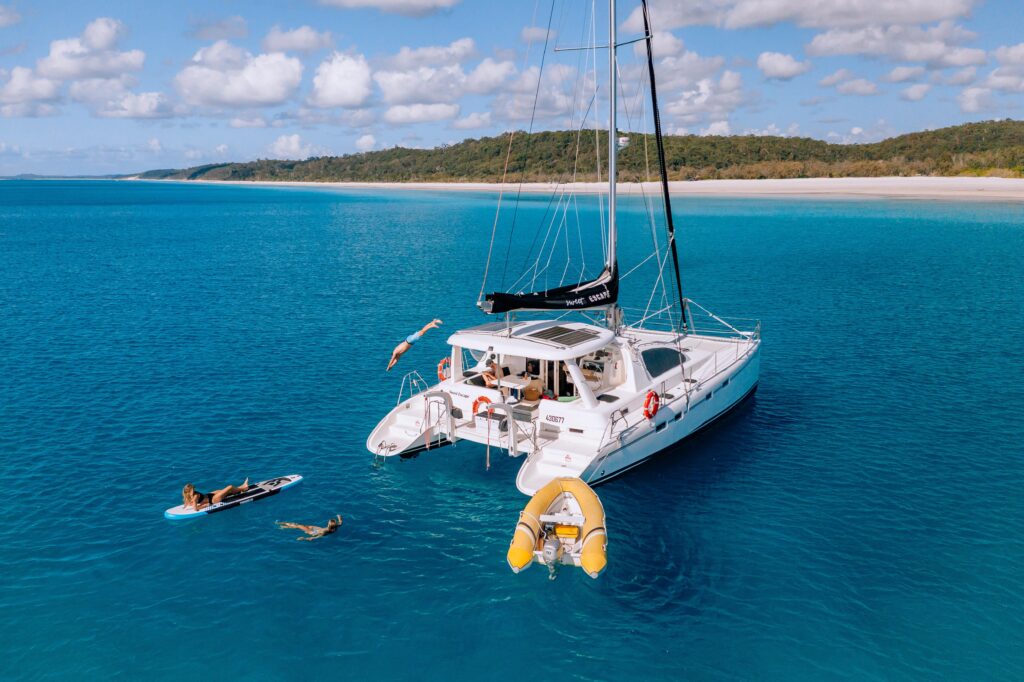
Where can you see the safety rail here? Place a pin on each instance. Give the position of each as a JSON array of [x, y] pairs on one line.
[[412, 382], [701, 322]]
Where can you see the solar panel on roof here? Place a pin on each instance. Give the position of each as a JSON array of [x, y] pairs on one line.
[[565, 336], [488, 327], [550, 333], [575, 337]]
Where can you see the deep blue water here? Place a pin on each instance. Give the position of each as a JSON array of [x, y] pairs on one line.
[[862, 517]]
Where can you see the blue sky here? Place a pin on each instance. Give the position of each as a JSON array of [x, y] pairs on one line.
[[108, 86]]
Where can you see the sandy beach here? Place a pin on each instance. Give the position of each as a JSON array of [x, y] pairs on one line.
[[958, 188]]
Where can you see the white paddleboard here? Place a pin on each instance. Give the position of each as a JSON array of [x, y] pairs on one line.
[[256, 491]]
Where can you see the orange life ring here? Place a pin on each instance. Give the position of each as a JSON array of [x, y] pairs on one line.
[[445, 362], [651, 404], [479, 401]]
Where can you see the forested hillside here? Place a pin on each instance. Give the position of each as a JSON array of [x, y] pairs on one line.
[[989, 148]]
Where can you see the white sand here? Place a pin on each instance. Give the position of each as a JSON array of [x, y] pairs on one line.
[[990, 189]]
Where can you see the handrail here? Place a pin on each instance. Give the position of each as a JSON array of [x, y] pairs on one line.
[[448, 406], [513, 441], [416, 384]]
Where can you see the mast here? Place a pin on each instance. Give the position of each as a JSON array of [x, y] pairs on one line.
[[669, 224], [613, 150]]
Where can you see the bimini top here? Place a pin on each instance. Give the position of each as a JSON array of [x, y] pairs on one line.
[[547, 340]]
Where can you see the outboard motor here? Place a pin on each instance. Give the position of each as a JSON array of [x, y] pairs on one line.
[[552, 550]]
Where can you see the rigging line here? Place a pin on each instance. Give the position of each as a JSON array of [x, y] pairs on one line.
[[540, 251], [530, 252], [670, 226], [504, 172], [543, 220], [652, 222], [577, 92], [637, 266], [533, 118]]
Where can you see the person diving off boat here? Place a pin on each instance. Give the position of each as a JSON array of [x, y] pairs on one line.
[[401, 348], [313, 532], [193, 499]]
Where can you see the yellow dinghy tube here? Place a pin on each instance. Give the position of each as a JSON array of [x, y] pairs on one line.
[[583, 545]]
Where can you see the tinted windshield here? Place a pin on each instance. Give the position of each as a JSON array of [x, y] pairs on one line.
[[660, 360]]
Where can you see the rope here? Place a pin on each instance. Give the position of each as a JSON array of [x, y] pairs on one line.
[[504, 172], [533, 117]]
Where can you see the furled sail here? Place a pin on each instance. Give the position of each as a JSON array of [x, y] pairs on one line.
[[596, 293]]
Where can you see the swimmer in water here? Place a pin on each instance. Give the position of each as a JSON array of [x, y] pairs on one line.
[[313, 532], [409, 340]]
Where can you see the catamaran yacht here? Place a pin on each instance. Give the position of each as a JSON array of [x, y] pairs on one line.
[[589, 398]]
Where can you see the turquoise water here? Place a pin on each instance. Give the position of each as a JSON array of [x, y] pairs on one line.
[[861, 518]]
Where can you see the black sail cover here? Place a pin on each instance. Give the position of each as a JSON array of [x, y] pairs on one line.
[[596, 293]]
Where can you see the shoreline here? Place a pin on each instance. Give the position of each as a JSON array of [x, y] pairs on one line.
[[948, 188]]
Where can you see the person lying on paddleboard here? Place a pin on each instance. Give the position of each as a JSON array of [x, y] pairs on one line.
[[197, 500], [409, 340], [313, 532]]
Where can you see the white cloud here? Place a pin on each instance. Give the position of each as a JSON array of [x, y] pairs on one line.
[[663, 44], [733, 14], [488, 75], [221, 150], [291, 147], [847, 84], [916, 92], [137, 105], [717, 128], [473, 121], [774, 131], [938, 46], [8, 16], [551, 101], [438, 55], [1007, 79], [964, 76], [193, 154], [301, 39], [341, 81], [25, 86], [91, 55], [836, 77], [858, 86], [414, 8], [24, 94], [225, 75], [366, 142], [972, 100], [708, 100], [154, 145], [443, 84], [535, 34], [902, 74], [686, 69], [253, 122], [779, 66], [1010, 54], [1009, 75], [224, 29], [110, 98], [420, 113]]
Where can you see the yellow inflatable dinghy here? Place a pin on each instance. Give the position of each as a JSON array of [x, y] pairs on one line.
[[563, 523]]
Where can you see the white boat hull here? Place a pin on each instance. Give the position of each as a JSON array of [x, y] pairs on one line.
[[742, 386]]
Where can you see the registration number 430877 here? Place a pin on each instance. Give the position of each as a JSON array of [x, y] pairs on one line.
[[554, 419]]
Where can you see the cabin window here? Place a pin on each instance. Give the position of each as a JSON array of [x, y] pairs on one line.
[[661, 360]]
